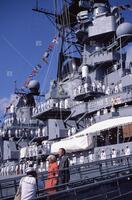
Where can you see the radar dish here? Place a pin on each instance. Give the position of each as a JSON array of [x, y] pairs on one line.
[[124, 29], [34, 84]]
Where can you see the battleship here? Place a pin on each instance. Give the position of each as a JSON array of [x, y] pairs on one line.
[[87, 110]]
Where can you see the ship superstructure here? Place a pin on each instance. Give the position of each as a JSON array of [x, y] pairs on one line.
[[93, 87]]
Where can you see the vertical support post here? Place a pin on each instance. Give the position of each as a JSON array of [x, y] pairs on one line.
[[117, 135]]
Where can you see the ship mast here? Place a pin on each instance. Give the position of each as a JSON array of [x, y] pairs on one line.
[[65, 22]]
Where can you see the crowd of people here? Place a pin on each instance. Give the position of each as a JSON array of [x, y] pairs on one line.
[[58, 174], [50, 104], [9, 169], [34, 149], [115, 153], [98, 86]]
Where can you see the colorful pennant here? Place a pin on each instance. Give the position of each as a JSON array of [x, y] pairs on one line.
[[50, 48], [36, 69]]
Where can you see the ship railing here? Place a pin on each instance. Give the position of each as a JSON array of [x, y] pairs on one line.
[[82, 90], [98, 104], [91, 191], [48, 109], [112, 173], [94, 190], [80, 174]]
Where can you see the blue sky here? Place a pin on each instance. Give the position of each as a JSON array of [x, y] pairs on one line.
[[24, 37]]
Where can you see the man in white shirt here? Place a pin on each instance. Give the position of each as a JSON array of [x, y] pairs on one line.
[[103, 155], [103, 88], [79, 89], [86, 87], [81, 159], [2, 171], [8, 170], [114, 153], [107, 91], [21, 169], [127, 151], [28, 185], [90, 157], [94, 86]]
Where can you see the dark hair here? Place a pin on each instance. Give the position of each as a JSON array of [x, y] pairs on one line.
[[33, 173], [64, 151]]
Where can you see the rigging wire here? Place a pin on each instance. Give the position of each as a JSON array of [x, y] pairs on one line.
[[53, 53], [69, 44], [48, 69]]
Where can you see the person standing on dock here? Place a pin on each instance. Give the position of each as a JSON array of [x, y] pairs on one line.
[[64, 173], [28, 186]]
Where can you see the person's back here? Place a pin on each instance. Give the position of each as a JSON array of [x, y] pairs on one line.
[[28, 185], [28, 188]]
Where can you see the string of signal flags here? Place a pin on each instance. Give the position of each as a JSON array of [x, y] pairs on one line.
[[36, 69], [45, 57]]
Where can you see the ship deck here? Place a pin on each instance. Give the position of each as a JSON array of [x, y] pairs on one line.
[[107, 179]]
